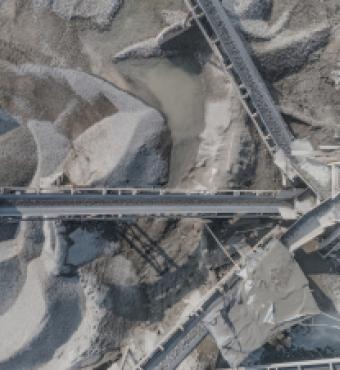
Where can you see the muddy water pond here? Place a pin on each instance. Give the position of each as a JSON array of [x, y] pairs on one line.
[[178, 93]]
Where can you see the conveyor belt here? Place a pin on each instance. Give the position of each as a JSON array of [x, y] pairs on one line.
[[218, 28]]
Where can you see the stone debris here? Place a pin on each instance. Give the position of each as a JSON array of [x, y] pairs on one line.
[[7, 123], [251, 9], [100, 12], [154, 47], [86, 108], [259, 30], [52, 149], [272, 295], [289, 51], [17, 150], [82, 103], [109, 154]]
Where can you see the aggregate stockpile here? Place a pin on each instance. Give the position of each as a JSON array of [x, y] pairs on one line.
[[271, 295]]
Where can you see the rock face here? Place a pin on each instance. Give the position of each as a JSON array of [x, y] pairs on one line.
[[99, 12]]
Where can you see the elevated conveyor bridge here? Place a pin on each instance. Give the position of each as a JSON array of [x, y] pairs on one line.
[[99, 203], [218, 28]]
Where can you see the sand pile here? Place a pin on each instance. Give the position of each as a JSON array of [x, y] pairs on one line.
[[7, 123], [17, 151], [87, 293], [289, 51], [83, 134], [99, 12], [56, 308], [225, 154], [110, 154], [82, 294], [52, 149], [157, 46], [251, 9]]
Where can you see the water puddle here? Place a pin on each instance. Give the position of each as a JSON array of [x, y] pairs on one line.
[[177, 86]]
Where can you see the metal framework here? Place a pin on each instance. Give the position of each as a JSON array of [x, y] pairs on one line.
[[219, 31], [322, 364], [108, 203]]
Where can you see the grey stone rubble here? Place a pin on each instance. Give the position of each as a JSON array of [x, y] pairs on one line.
[[100, 12], [313, 224], [297, 46], [262, 108], [272, 295], [76, 296], [154, 47], [144, 137]]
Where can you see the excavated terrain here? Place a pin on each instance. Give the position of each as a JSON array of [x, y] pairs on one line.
[[127, 93]]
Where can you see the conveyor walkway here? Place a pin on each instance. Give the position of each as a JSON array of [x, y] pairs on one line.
[[187, 335], [313, 224], [322, 364], [77, 203]]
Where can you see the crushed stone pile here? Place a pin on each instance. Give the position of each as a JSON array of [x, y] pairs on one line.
[[272, 295], [100, 12], [83, 136]]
